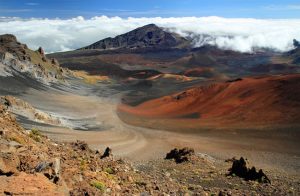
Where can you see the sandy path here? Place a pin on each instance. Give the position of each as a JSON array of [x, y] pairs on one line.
[[141, 144]]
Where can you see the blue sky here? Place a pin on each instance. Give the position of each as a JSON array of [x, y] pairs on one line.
[[150, 8]]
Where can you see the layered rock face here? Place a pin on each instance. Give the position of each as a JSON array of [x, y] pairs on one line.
[[9, 44], [16, 58], [148, 36]]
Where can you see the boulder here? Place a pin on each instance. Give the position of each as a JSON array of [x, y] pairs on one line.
[[42, 166], [81, 145], [107, 153], [181, 155], [50, 169], [240, 169], [56, 166]]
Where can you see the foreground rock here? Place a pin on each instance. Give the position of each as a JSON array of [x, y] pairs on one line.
[[181, 155], [239, 168], [107, 153]]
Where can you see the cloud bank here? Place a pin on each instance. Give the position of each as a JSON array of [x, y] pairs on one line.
[[239, 34]]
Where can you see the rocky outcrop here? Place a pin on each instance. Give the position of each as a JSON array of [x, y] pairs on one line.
[[149, 36], [296, 43], [8, 38], [239, 168], [107, 153], [9, 43], [16, 58], [41, 51], [181, 155]]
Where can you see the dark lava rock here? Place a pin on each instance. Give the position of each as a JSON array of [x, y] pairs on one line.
[[81, 145], [296, 43], [181, 155], [107, 153], [239, 168]]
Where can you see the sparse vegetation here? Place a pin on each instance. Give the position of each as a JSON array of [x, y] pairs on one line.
[[18, 139], [83, 164], [98, 185], [35, 134], [109, 170]]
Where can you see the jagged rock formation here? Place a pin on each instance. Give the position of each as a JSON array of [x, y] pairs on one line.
[[144, 37], [107, 153], [9, 43], [17, 58]]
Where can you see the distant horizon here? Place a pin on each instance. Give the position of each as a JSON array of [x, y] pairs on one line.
[[128, 17], [65, 9], [238, 34]]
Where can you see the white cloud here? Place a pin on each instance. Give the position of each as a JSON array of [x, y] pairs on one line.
[[32, 4], [239, 34]]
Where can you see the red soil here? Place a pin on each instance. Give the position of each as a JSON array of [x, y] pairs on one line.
[[261, 100]]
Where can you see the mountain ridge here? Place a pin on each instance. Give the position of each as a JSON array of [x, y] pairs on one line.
[[148, 36]]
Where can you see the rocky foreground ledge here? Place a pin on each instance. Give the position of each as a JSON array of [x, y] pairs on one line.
[[32, 164]]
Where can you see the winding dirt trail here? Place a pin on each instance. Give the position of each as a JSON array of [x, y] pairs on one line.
[[142, 144]]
